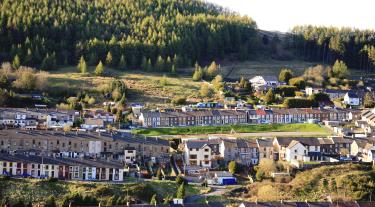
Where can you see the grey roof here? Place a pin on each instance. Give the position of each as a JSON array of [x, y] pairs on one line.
[[121, 136], [264, 143], [197, 144], [308, 141], [351, 94]]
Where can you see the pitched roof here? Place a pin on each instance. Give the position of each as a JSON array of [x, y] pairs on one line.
[[308, 141]]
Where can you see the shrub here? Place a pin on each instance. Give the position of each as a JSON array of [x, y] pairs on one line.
[[286, 91], [298, 103], [179, 100], [232, 167], [299, 82]]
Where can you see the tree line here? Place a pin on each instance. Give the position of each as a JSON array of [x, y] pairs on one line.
[[328, 44], [126, 34]]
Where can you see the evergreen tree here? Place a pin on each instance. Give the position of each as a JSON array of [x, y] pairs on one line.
[[122, 63], [159, 65], [269, 98], [340, 69], [181, 192], [212, 70], [198, 73], [109, 58], [16, 62], [99, 70], [173, 70], [144, 65], [82, 66], [217, 82], [29, 58], [168, 64]]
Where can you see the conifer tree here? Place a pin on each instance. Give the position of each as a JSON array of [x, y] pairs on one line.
[[16, 62], [122, 63], [109, 58], [99, 70]]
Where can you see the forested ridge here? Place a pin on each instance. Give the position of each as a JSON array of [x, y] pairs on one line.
[[122, 33], [327, 44]]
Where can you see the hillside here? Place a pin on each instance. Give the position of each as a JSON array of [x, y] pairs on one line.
[[121, 33], [37, 191], [342, 182]]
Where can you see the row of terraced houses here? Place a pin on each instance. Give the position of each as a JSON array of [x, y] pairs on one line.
[[250, 116]]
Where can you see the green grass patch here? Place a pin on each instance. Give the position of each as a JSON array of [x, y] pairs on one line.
[[230, 128]]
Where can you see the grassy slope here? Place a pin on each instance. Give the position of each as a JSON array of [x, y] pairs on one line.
[[146, 88], [38, 191], [353, 183], [228, 129]]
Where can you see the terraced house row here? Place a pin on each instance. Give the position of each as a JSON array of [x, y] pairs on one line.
[[105, 145], [250, 116], [62, 168]]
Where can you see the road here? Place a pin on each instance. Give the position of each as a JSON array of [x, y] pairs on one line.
[[215, 191], [260, 134]]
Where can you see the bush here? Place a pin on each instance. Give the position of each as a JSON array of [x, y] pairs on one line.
[[179, 100], [286, 91], [298, 103], [53, 180], [299, 82], [232, 167]]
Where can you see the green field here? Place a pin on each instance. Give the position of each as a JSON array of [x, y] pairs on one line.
[[230, 128]]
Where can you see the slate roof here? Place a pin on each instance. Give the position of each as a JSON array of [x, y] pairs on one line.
[[308, 141], [121, 136], [264, 143]]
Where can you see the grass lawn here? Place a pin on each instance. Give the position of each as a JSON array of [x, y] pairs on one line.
[[229, 128]]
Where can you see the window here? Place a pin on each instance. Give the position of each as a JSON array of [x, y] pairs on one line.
[[206, 157], [193, 157], [206, 150]]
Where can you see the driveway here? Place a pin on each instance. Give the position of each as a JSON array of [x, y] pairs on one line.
[[216, 190]]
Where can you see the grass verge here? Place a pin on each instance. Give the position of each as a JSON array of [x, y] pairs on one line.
[[230, 128]]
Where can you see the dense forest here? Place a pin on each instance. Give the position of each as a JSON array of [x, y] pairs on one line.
[[327, 44], [121, 33]]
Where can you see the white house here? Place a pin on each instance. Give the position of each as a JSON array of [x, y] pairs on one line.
[[129, 154], [198, 154], [91, 124], [351, 99], [368, 153], [296, 152], [261, 83]]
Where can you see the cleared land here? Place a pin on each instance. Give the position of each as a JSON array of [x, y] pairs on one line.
[[232, 129], [146, 87]]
